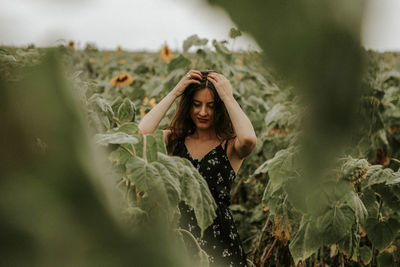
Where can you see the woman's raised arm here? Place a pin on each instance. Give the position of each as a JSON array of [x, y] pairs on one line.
[[246, 138], [149, 123]]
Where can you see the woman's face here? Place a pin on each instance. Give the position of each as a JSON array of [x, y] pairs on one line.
[[202, 110]]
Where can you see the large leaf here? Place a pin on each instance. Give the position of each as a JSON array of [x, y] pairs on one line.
[[161, 191], [350, 243], [336, 224], [115, 138], [116, 104], [193, 40], [273, 200], [368, 197], [126, 111], [221, 49], [365, 254], [379, 233], [99, 102], [281, 172], [168, 180], [377, 174], [179, 62], [100, 113], [172, 187], [306, 241], [386, 260], [359, 208], [318, 202], [263, 168], [154, 144], [295, 39], [282, 165], [279, 115], [194, 189], [135, 216], [131, 129], [128, 128], [119, 156], [59, 205]]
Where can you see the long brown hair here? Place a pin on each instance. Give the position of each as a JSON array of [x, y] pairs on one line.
[[182, 124]]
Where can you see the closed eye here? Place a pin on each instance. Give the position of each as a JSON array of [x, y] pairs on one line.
[[198, 104]]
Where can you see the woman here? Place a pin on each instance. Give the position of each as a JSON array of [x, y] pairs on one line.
[[211, 130]]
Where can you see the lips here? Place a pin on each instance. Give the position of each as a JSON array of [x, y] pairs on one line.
[[202, 120]]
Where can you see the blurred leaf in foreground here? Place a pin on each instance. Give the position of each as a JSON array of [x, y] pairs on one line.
[[57, 202], [315, 45]]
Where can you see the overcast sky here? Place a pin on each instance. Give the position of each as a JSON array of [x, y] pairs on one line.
[[148, 24]]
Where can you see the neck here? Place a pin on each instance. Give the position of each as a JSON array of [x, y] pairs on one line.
[[208, 134]]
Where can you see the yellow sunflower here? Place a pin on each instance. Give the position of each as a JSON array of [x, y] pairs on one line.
[[239, 76], [166, 54], [121, 80]]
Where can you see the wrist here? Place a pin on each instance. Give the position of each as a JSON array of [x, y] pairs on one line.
[[173, 94], [228, 98]]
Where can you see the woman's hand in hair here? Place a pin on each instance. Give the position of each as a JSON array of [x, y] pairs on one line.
[[221, 84], [185, 81]]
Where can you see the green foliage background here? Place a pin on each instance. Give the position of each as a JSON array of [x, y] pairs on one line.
[[80, 185]]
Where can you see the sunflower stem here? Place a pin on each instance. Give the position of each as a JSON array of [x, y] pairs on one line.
[[117, 121], [144, 148], [130, 152]]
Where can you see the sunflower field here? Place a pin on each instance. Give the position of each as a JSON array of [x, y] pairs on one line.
[[81, 186]]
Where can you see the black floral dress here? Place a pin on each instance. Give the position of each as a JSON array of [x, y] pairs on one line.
[[221, 240]]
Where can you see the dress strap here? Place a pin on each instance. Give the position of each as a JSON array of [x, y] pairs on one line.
[[226, 144]]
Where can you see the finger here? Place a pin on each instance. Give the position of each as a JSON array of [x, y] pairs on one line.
[[214, 74], [193, 75], [211, 78], [194, 72], [194, 81], [220, 76], [196, 75], [216, 78]]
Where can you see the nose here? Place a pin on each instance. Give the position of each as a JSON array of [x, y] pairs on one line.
[[203, 111]]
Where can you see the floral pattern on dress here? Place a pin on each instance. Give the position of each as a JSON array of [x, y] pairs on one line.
[[221, 240]]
